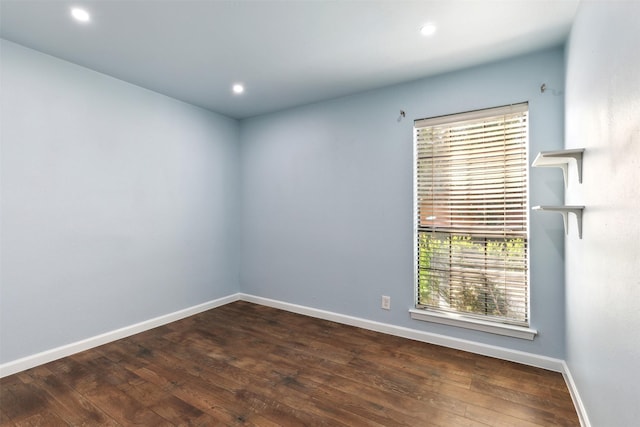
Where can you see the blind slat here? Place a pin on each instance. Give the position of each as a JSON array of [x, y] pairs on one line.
[[471, 213]]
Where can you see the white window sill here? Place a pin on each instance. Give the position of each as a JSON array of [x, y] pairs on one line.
[[471, 323]]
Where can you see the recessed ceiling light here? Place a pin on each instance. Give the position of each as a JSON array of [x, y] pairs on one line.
[[428, 29], [80, 14], [238, 88]]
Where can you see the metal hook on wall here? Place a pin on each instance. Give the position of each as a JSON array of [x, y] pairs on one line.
[[401, 116]]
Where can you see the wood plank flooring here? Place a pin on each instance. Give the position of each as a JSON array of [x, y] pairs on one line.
[[249, 365]]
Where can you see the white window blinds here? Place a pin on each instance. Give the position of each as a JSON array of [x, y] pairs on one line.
[[471, 213]]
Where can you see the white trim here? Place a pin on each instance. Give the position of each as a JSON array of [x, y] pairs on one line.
[[86, 344], [517, 356], [575, 396], [472, 115], [472, 323]]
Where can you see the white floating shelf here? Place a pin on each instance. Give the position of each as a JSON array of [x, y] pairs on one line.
[[565, 211], [560, 159]]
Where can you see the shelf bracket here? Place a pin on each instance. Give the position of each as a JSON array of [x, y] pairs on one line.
[[565, 211], [561, 159]]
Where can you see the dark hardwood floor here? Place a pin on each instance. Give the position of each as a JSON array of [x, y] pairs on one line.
[[245, 364]]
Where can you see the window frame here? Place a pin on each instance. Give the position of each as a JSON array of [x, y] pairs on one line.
[[457, 318]]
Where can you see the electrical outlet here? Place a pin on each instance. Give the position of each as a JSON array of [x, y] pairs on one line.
[[386, 302]]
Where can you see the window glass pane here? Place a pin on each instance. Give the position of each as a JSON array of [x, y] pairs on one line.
[[471, 206]]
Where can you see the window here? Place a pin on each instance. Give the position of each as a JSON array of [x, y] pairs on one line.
[[471, 214]]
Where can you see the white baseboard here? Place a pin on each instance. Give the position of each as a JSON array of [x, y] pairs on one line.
[[86, 344], [552, 364], [575, 396], [517, 356]]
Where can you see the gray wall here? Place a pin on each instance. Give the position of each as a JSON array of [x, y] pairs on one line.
[[603, 281], [118, 204], [327, 197]]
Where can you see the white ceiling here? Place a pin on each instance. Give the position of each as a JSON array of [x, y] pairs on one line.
[[287, 53]]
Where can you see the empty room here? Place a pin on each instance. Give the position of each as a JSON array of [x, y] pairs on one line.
[[340, 213]]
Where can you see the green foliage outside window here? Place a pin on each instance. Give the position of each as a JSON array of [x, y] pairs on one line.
[[470, 274]]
